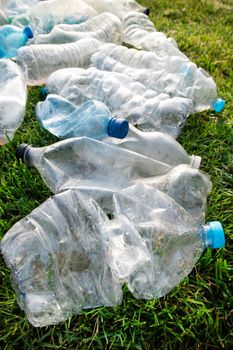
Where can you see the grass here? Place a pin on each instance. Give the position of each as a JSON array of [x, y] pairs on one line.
[[198, 313]]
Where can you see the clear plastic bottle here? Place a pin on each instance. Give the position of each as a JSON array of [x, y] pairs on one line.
[[174, 240], [141, 33], [11, 8], [13, 96], [91, 118], [124, 97], [59, 261], [119, 8], [39, 61], [156, 145], [189, 187], [172, 75], [11, 38], [105, 27], [44, 15], [82, 162]]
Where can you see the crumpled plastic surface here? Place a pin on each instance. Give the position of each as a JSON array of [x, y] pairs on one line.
[[67, 255]]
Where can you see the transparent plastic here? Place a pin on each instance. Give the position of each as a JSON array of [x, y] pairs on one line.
[[124, 96], [39, 61], [105, 27], [11, 38], [66, 256], [91, 118], [174, 240], [13, 95], [119, 8], [44, 15], [189, 187], [170, 74], [156, 145], [90, 165]]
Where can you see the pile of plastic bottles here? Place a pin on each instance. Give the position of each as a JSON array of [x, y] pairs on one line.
[[129, 202]]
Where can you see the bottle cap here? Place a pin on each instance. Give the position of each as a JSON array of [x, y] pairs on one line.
[[22, 152], [215, 234], [28, 32], [146, 11], [218, 105], [43, 92], [118, 128]]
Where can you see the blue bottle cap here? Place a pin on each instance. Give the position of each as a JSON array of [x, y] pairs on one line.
[[43, 92], [118, 128], [28, 32], [215, 234], [218, 105]]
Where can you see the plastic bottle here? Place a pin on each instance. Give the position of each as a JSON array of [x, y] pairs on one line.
[[39, 61], [90, 164], [173, 239], [141, 33], [91, 118], [11, 38], [172, 75], [189, 187], [124, 97], [156, 145], [13, 95], [59, 261], [119, 8], [105, 27], [46, 14], [11, 8]]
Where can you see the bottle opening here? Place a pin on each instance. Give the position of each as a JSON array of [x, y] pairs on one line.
[[22, 152]]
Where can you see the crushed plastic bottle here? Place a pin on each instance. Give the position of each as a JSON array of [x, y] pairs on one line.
[[91, 118], [105, 27], [13, 95], [124, 97], [39, 61], [66, 255], [156, 145], [11, 8], [86, 163], [173, 239], [170, 75], [119, 8], [140, 32], [188, 186], [11, 38], [46, 14]]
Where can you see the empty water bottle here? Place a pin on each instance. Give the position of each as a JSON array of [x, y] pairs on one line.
[[124, 97], [105, 27], [189, 187], [11, 38], [140, 32], [92, 118], [13, 95], [59, 259], [174, 240], [156, 145], [171, 75], [11, 8], [66, 255], [39, 61], [89, 164], [119, 8], [44, 15]]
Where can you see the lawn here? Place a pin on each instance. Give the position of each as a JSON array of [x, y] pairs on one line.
[[197, 314]]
